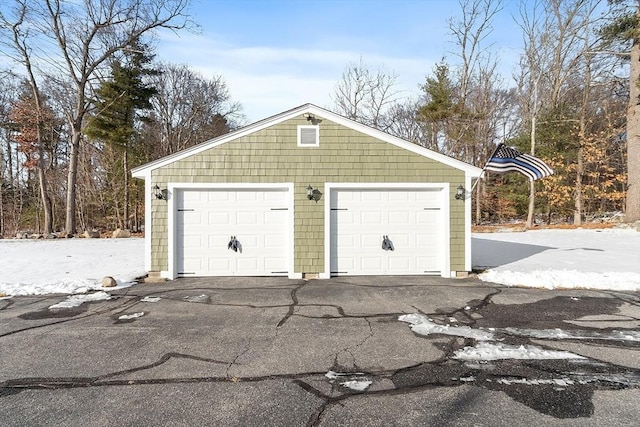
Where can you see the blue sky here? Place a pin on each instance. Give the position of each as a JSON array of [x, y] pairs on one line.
[[277, 54]]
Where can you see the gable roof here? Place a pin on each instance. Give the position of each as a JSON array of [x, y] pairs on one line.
[[143, 170]]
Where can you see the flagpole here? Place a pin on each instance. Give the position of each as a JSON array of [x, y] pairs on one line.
[[485, 167]]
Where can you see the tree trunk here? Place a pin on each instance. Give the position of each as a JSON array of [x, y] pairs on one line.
[[632, 212], [478, 202], [582, 136], [577, 213], [72, 177], [532, 185], [125, 163], [46, 201]]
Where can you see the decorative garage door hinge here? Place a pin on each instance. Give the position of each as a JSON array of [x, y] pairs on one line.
[[234, 245], [387, 244]]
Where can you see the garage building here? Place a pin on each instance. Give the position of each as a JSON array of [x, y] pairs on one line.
[[305, 194]]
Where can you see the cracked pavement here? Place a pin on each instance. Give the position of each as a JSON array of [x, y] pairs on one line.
[[256, 351]]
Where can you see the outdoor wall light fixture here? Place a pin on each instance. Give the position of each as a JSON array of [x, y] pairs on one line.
[[157, 193], [460, 193], [309, 117], [310, 194]]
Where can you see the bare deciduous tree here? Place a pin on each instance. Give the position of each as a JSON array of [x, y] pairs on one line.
[[633, 129], [366, 96], [76, 38], [557, 64], [19, 42], [189, 109]]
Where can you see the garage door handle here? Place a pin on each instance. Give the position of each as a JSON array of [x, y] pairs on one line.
[[387, 245], [234, 245]]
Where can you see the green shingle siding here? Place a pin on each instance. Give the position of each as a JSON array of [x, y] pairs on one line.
[[272, 155]]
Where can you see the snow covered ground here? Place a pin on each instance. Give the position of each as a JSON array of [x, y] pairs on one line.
[[600, 259], [68, 266], [581, 258]]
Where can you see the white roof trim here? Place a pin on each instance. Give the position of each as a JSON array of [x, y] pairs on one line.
[[144, 170]]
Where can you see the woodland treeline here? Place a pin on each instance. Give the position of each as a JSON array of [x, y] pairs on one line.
[[85, 101]]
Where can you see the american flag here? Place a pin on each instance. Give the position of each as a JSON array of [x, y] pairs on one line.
[[507, 159]]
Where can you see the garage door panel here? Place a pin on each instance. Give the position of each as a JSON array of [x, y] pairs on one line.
[[428, 264], [191, 265], [399, 217], [371, 241], [246, 218], [212, 216], [346, 241], [275, 197], [342, 218], [372, 263], [411, 218], [426, 240], [372, 217], [218, 241], [219, 218], [274, 241], [192, 219], [219, 264], [192, 197], [369, 196], [399, 264], [192, 241], [215, 197], [274, 217], [247, 196], [246, 264], [427, 217], [401, 241], [274, 265], [400, 196]]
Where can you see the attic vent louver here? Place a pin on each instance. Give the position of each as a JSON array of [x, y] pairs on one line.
[[308, 136]]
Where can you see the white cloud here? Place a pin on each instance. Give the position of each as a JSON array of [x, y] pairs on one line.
[[269, 80]]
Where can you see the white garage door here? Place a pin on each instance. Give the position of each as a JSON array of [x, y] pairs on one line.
[[409, 221], [207, 220]]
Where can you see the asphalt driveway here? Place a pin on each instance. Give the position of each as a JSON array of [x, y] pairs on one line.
[[272, 351]]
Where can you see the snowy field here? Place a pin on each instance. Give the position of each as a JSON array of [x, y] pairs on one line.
[[597, 259], [552, 259], [68, 266]]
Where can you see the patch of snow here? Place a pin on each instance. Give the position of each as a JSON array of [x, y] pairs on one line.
[[150, 299], [574, 335], [353, 380], [197, 298], [423, 326], [550, 259], [356, 385], [77, 300], [491, 351], [131, 316], [68, 266], [562, 382]]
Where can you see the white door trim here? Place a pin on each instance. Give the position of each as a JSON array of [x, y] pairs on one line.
[[444, 212], [173, 187]]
